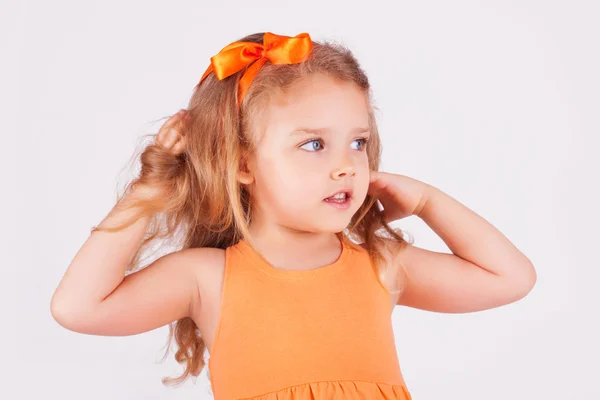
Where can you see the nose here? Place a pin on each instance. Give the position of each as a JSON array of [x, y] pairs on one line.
[[346, 169]]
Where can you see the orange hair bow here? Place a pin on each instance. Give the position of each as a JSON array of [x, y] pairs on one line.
[[275, 48]]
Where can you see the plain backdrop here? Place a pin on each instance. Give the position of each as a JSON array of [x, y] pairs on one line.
[[494, 102]]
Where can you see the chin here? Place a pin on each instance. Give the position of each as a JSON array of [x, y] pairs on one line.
[[334, 225]]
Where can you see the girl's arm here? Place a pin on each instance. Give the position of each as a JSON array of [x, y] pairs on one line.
[[95, 297], [485, 270]]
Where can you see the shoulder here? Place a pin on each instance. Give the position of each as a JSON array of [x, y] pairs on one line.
[[389, 267], [390, 249], [202, 261], [203, 254], [206, 266]]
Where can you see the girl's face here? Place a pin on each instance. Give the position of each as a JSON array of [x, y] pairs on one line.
[[311, 144]]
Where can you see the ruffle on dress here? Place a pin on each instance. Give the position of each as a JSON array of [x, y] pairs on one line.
[[347, 390]]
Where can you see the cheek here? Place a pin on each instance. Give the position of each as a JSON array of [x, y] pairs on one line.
[[361, 181], [281, 179]]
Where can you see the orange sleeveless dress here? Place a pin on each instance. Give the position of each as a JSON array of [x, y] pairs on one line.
[[324, 333]]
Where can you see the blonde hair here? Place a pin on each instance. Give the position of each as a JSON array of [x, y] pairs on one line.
[[206, 204]]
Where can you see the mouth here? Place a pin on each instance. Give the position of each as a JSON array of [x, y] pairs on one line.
[[340, 197]]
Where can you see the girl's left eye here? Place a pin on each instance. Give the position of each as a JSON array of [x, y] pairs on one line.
[[363, 140]]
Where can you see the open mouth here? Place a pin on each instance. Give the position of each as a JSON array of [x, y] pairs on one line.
[[339, 198]]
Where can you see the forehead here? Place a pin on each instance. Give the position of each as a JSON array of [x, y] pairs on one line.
[[316, 101]]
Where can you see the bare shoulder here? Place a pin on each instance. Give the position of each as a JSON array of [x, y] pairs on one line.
[[201, 256], [203, 259], [207, 265], [168, 289], [391, 251]]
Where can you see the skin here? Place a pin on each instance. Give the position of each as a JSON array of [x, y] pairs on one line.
[[288, 178], [290, 174]]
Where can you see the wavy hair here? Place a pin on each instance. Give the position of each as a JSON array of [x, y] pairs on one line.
[[208, 207]]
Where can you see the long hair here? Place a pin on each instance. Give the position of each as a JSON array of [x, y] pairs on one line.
[[208, 207]]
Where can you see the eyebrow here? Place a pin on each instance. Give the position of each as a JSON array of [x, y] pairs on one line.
[[320, 131]]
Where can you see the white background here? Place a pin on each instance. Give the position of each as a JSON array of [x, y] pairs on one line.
[[494, 102]]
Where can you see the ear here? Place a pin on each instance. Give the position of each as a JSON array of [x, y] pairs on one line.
[[245, 174]]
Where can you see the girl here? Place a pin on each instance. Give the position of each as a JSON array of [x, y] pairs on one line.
[[288, 269]]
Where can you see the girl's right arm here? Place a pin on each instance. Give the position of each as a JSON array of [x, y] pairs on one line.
[[94, 295]]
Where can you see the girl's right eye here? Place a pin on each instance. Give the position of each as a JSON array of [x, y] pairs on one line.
[[312, 147]]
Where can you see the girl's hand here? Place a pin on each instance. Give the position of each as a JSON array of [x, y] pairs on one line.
[[170, 135], [399, 195]]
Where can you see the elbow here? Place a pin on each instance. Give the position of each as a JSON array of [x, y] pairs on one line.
[[525, 282], [531, 276], [58, 311], [64, 313]]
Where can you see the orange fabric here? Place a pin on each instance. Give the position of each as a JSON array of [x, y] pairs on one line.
[[314, 334], [276, 48]]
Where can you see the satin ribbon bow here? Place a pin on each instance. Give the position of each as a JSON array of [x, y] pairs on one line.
[[275, 48]]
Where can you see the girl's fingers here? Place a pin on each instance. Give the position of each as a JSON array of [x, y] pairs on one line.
[[378, 188], [171, 121], [374, 176], [179, 147], [169, 133], [170, 139]]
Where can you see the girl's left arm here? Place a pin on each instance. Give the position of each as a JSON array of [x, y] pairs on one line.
[[485, 270]]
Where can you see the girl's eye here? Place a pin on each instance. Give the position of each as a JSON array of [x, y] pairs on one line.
[[312, 142], [364, 141], [312, 147]]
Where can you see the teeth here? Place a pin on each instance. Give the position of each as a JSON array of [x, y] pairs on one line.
[[339, 196]]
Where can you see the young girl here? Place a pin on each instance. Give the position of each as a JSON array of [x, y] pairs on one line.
[[288, 271]]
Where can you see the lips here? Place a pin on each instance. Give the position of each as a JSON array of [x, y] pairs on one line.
[[347, 191]]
